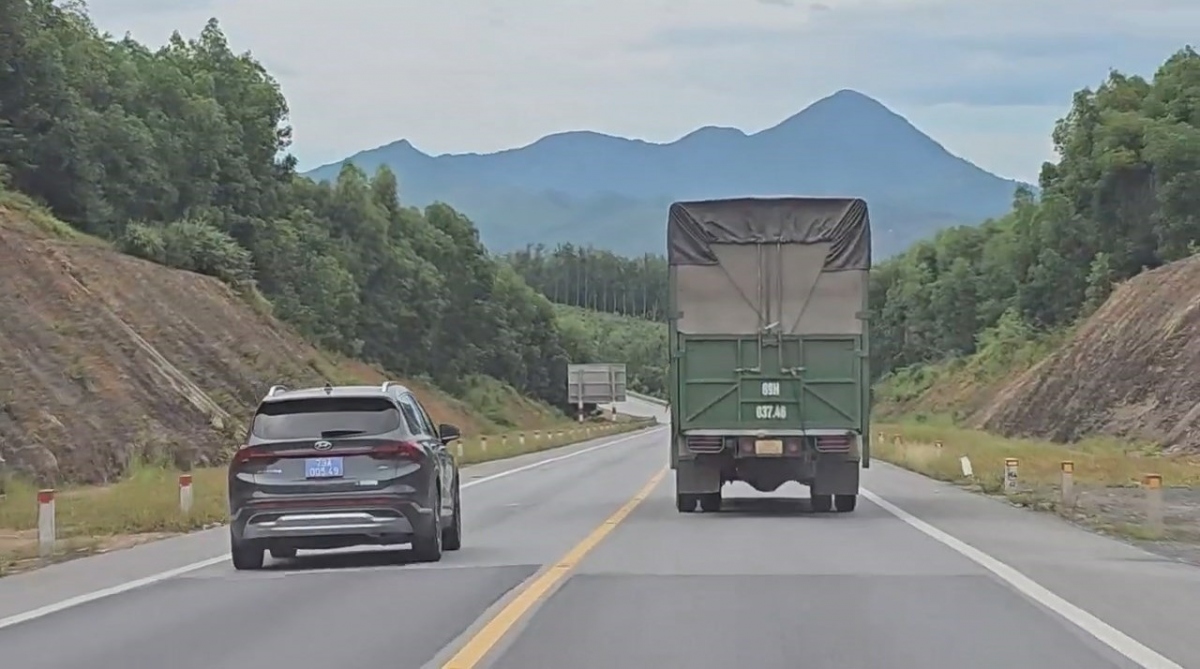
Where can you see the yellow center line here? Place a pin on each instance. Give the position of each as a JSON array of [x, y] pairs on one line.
[[482, 643]]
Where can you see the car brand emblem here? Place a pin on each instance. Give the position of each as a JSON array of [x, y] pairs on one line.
[[322, 445]]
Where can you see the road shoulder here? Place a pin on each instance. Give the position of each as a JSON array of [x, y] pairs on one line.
[[1148, 597]]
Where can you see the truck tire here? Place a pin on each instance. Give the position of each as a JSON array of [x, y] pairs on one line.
[[822, 503], [685, 503], [710, 502], [845, 503]]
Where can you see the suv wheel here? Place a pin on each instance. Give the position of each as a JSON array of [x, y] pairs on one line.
[[452, 536], [427, 546], [245, 554]]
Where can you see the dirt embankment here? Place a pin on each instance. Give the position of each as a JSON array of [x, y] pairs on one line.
[[106, 360], [1132, 370]]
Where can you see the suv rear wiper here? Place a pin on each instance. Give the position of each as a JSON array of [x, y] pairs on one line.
[[340, 433]]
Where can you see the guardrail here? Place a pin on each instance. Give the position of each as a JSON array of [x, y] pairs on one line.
[[646, 398]]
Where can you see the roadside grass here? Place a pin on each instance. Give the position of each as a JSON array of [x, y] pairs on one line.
[[1100, 461], [1108, 473], [94, 518]]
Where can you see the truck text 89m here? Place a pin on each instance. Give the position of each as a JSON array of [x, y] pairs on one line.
[[769, 378]]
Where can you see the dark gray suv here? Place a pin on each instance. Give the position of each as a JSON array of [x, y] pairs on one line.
[[343, 466]]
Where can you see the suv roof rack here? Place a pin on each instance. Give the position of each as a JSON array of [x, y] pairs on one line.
[[276, 389], [383, 388]]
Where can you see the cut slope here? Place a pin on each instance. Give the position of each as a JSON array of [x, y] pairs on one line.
[[106, 360], [1131, 370]]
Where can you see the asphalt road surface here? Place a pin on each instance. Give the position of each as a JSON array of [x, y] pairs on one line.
[[577, 559]]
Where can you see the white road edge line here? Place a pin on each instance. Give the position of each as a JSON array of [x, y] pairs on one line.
[[120, 588], [1107, 634]]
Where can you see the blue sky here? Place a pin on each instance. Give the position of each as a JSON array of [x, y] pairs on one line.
[[987, 78]]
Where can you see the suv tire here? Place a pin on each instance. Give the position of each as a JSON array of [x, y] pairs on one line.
[[427, 546], [245, 554], [452, 536]]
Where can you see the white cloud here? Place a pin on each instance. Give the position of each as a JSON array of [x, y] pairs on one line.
[[482, 75]]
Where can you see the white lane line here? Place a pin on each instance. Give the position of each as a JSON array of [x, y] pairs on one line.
[[1102, 631], [107, 592], [196, 566]]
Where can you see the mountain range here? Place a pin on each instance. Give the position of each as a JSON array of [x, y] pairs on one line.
[[589, 188]]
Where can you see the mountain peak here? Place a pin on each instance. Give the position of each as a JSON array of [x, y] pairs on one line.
[[590, 187]]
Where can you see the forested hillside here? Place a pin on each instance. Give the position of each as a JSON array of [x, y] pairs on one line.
[[1123, 197], [596, 279], [606, 337], [179, 155]]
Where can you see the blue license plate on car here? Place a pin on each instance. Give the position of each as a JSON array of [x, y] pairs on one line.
[[323, 468]]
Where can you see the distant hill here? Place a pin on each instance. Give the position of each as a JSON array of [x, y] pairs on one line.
[[585, 187]]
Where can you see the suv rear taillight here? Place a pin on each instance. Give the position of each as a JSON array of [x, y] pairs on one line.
[[248, 454], [397, 449]]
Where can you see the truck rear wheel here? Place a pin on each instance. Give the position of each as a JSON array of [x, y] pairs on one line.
[[685, 503], [710, 502], [822, 503], [845, 503]]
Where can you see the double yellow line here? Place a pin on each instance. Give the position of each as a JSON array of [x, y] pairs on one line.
[[490, 635]]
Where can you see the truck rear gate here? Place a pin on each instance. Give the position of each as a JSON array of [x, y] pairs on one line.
[[769, 343]]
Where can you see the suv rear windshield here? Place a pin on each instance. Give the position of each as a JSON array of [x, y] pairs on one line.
[[313, 418]]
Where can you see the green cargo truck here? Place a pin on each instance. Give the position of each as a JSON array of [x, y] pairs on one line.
[[769, 378]]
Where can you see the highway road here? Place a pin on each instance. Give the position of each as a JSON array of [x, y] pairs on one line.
[[577, 559]]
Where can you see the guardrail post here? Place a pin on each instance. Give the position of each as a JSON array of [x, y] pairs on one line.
[[46, 525], [1154, 502], [1068, 483], [1010, 474], [185, 493], [483, 444], [504, 441], [967, 470], [460, 449], [521, 438]]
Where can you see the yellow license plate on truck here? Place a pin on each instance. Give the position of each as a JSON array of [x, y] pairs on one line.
[[768, 447]]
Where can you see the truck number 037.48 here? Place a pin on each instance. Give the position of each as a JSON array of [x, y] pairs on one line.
[[770, 412]]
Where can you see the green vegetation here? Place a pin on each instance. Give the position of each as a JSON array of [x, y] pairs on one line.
[[179, 155], [595, 279], [1121, 199], [594, 336]]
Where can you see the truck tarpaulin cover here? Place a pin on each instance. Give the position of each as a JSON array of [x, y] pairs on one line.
[[843, 223]]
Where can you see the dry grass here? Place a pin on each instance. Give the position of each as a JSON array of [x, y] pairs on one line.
[[1101, 462], [1107, 478], [147, 501]]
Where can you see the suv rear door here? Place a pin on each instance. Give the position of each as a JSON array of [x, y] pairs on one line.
[[323, 444], [423, 426]]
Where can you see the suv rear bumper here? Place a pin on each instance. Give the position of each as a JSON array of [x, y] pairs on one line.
[[332, 522]]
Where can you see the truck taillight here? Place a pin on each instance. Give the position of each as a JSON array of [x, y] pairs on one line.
[[838, 443]]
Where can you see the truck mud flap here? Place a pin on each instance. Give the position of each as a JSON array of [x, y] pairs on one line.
[[836, 476], [694, 476]]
